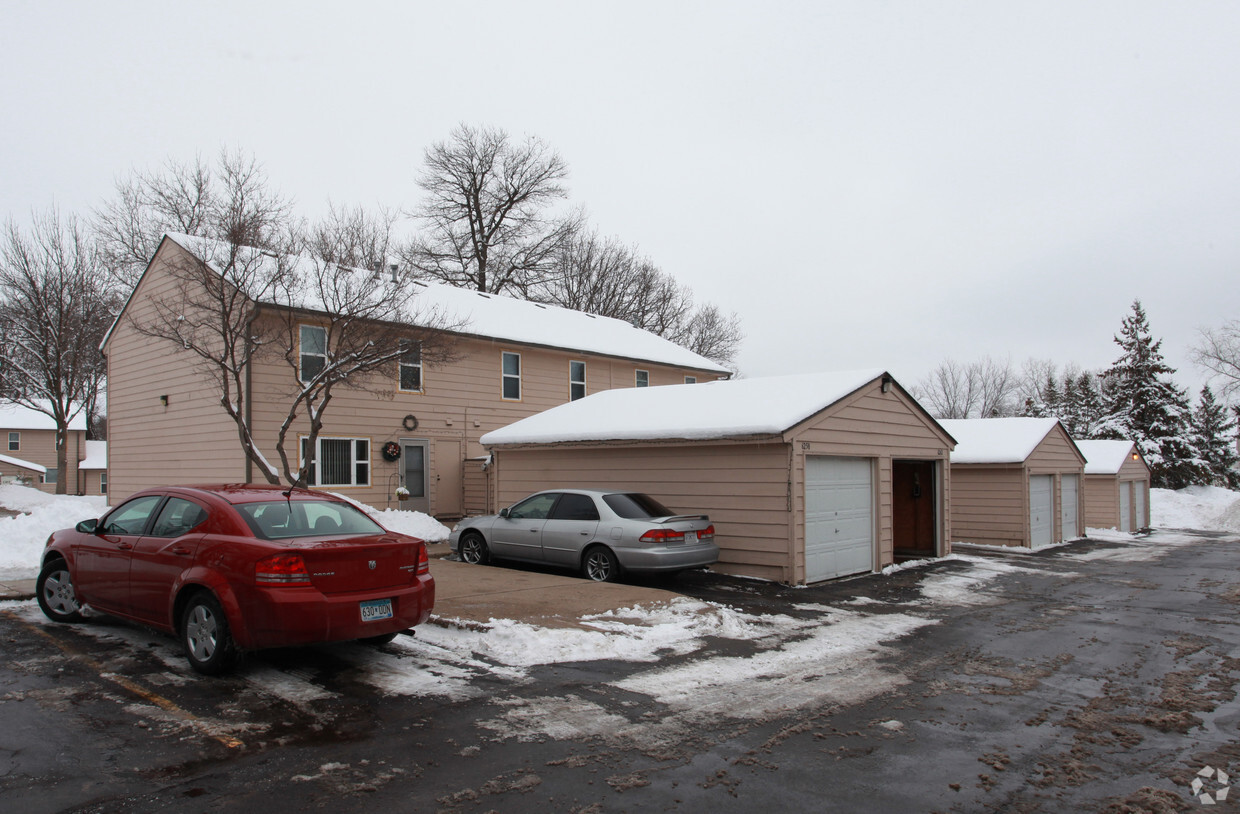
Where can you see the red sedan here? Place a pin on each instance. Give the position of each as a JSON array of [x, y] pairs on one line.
[[240, 567]]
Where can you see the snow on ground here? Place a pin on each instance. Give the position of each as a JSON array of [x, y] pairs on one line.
[[22, 537], [1209, 508]]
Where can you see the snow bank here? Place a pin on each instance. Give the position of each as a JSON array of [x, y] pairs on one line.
[[1209, 508], [22, 537]]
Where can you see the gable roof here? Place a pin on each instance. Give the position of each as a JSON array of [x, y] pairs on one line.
[[19, 417], [1105, 457], [997, 440], [706, 411], [9, 459], [505, 319]]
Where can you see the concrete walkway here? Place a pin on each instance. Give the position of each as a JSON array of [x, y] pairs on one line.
[[476, 594]]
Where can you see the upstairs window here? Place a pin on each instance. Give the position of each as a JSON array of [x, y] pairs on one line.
[[643, 378], [313, 351], [411, 368], [512, 377], [15, 441], [576, 380]]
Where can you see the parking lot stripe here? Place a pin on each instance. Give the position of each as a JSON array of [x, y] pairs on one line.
[[190, 719]]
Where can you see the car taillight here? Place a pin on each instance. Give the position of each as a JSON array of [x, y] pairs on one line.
[[424, 562], [707, 533], [662, 536], [282, 569]]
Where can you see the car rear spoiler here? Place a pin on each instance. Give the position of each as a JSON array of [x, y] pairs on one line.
[[685, 517]]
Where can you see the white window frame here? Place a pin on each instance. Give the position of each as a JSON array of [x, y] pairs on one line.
[[690, 379], [641, 378], [573, 383], [354, 461], [301, 354], [505, 376], [15, 442], [400, 373], [103, 483]]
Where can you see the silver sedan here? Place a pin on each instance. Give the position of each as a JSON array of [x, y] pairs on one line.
[[601, 533]]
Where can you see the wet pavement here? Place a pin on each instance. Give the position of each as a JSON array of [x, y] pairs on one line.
[[1094, 677]]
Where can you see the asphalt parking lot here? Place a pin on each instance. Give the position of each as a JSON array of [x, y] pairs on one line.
[[1100, 676]]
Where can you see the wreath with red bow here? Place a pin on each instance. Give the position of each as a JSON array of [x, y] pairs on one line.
[[391, 451]]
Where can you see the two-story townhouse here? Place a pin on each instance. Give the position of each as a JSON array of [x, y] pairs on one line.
[[28, 455], [514, 359]]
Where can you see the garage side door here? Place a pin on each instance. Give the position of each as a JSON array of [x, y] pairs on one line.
[[839, 517], [1125, 506], [1040, 520], [1138, 491], [1069, 494]]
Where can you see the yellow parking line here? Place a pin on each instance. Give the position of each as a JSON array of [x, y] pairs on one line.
[[132, 686]]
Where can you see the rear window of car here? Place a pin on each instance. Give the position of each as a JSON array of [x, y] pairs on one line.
[[635, 506], [281, 519]]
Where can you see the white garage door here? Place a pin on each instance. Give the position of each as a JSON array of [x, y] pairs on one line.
[[1068, 496], [1138, 490], [839, 517], [1125, 506], [1041, 523]]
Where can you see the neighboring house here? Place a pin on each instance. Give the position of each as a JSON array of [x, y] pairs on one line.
[[1117, 485], [93, 469], [1015, 482], [515, 359], [806, 478], [28, 448]]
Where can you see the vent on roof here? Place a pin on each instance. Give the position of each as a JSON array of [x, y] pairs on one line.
[[484, 296], [419, 282], [536, 305]]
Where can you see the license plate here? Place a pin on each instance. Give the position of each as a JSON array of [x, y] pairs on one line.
[[376, 609], [690, 536]]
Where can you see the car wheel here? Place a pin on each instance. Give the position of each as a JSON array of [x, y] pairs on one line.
[[204, 633], [601, 565], [54, 589], [474, 549], [380, 640]]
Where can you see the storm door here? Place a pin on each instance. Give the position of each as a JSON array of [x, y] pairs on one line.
[[414, 468]]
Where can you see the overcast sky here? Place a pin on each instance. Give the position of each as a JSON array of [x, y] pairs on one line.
[[865, 184]]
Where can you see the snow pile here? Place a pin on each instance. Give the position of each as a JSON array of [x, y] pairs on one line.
[[22, 537], [1209, 508]]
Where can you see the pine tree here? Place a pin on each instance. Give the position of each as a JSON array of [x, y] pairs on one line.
[[1070, 405], [1214, 437], [1089, 406], [1143, 405]]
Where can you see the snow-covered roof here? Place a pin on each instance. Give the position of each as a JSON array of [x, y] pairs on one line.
[[493, 316], [996, 440], [96, 455], [8, 459], [710, 410], [17, 417], [1104, 457]]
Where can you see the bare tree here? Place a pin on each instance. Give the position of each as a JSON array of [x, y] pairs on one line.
[[981, 389], [229, 200], [606, 277], [486, 220], [235, 307], [1219, 352], [353, 237], [55, 306]]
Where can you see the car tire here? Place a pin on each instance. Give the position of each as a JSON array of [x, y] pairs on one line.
[[600, 565], [474, 549], [54, 590], [205, 635]]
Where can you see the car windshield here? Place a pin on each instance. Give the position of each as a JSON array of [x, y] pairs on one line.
[[281, 519], [635, 506]]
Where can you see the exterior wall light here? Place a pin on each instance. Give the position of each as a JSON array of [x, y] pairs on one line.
[[163, 400], [887, 380]]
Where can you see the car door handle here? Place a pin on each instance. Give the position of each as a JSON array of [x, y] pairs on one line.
[[123, 546], [179, 549]]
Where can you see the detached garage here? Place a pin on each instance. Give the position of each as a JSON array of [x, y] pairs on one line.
[[806, 478], [1015, 482], [1117, 486]]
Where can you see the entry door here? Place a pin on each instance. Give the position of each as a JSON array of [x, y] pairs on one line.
[[1125, 506], [1041, 521], [415, 455], [1138, 494], [1069, 496], [839, 517], [913, 502]]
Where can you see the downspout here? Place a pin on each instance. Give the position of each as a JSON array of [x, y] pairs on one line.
[[249, 410]]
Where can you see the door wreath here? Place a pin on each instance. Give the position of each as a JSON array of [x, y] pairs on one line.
[[410, 422], [391, 451]]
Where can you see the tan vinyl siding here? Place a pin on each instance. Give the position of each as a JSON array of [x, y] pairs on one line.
[[743, 487], [1101, 501], [39, 447], [990, 505]]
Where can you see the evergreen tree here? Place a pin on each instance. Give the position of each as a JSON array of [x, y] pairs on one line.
[[1214, 436], [1089, 406], [1070, 405], [1143, 405]]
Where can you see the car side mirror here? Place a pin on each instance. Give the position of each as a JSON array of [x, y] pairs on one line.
[[88, 526], [503, 513]]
